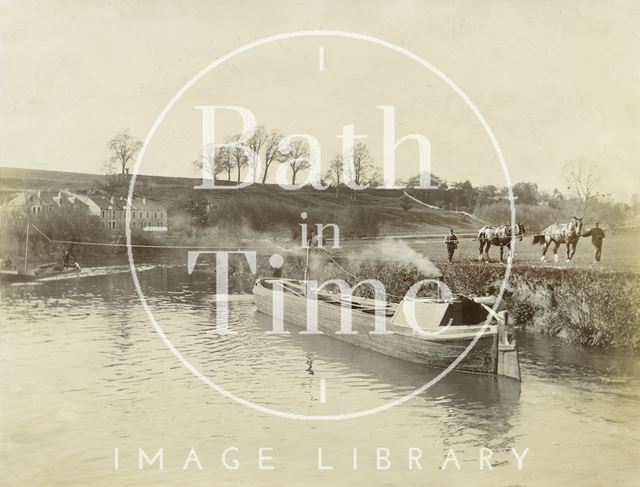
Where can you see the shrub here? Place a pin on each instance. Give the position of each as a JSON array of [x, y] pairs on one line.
[[522, 314]]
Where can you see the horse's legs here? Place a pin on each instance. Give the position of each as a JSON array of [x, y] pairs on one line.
[[509, 254], [547, 242], [481, 248], [486, 251], [574, 246], [555, 251], [501, 253]]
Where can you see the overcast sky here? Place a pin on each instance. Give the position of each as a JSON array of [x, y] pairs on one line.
[[557, 81]]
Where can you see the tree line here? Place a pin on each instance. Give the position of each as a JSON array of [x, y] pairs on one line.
[[580, 195]]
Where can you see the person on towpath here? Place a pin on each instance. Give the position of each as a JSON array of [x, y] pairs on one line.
[[451, 241], [597, 235]]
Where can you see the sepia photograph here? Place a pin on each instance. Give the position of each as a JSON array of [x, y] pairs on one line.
[[297, 242]]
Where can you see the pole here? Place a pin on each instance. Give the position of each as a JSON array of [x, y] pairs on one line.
[[306, 265], [26, 246]]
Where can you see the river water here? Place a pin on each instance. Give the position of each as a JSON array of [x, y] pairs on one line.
[[86, 378]]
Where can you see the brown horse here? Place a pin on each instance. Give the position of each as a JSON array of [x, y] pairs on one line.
[[560, 233], [498, 236]]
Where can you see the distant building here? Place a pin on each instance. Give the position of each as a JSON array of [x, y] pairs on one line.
[[112, 210], [145, 213], [41, 202]]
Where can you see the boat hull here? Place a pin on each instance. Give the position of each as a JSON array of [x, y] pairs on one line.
[[16, 276], [50, 270], [437, 351]]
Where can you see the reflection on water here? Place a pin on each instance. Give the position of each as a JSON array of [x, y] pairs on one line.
[[84, 372]]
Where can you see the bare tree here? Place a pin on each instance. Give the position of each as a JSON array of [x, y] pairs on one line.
[[237, 157], [583, 178], [362, 167], [107, 167], [298, 158], [271, 153], [214, 161], [123, 149], [334, 174], [255, 143], [223, 161]]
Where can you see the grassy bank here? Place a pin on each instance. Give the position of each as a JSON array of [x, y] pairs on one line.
[[583, 306]]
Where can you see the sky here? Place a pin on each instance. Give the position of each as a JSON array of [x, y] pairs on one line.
[[556, 81]]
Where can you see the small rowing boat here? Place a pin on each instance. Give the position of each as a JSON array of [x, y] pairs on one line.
[[54, 269], [10, 274]]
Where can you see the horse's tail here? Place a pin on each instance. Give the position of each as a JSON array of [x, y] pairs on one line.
[[538, 239]]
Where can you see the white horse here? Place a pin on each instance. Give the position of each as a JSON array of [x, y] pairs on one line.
[[498, 236], [560, 233]]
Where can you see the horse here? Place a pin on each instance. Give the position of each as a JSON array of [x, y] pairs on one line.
[[559, 233], [498, 236]]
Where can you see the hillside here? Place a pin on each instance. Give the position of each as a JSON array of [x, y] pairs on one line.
[[177, 195]]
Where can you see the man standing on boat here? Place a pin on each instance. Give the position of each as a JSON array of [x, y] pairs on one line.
[[597, 235], [7, 263], [451, 241]]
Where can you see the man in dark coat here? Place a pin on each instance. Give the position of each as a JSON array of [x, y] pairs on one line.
[[597, 235], [451, 241]]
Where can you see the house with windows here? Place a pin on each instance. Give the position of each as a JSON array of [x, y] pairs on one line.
[[35, 203], [145, 213]]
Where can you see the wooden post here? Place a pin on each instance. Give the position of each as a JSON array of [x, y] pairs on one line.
[[306, 266], [508, 360], [26, 246]]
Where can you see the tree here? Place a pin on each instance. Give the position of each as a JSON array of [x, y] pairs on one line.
[[107, 167], [255, 143], [583, 178], [214, 162], [527, 193], [361, 168], [556, 199], [223, 161], [271, 153], [298, 158], [123, 149], [237, 157], [486, 195], [334, 174], [464, 195], [362, 163], [414, 182]]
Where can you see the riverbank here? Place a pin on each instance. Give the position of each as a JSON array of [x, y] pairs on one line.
[[586, 307]]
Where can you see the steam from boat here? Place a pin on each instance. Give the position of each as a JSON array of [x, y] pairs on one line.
[[389, 251], [400, 252]]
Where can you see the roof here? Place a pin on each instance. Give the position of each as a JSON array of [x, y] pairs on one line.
[[106, 203], [40, 198], [55, 198], [147, 204]]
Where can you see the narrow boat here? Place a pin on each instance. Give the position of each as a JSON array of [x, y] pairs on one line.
[[448, 327], [54, 269], [11, 276]]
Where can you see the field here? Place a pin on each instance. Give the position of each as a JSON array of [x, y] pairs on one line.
[[620, 252], [267, 204]]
